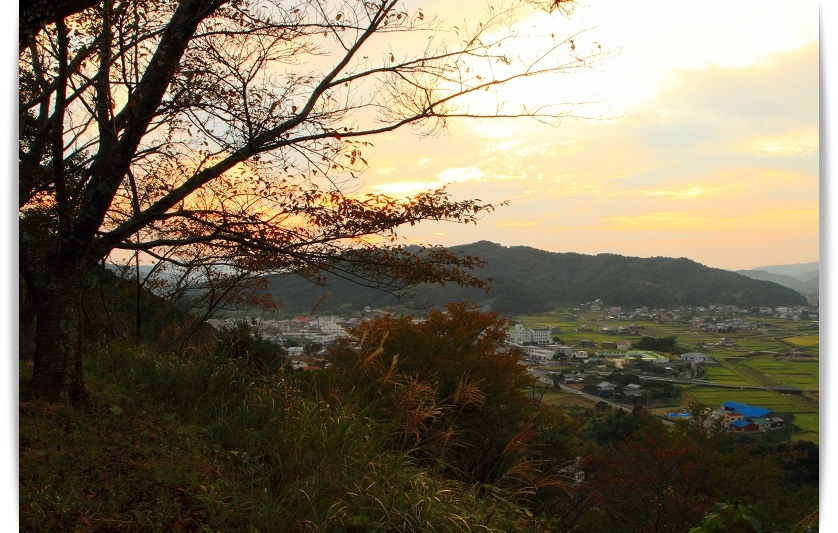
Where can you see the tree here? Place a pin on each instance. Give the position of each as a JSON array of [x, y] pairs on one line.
[[195, 284], [657, 344], [241, 125], [454, 390]]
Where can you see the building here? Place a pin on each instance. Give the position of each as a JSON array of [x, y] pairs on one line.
[[697, 357], [521, 335], [744, 417], [744, 425]]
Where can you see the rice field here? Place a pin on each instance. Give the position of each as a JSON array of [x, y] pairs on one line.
[[713, 397], [560, 398], [777, 337], [807, 421], [725, 376], [803, 341], [801, 374]]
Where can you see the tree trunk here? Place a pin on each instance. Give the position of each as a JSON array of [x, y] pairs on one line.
[[57, 374], [26, 321]]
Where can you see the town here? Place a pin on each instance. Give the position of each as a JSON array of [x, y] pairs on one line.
[[595, 352]]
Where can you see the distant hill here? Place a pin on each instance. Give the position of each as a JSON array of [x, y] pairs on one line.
[[807, 286], [528, 280], [796, 270], [802, 277]]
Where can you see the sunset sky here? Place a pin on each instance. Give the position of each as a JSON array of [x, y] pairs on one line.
[[710, 150]]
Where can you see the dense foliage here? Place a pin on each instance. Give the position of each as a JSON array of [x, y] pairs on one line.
[[230, 135], [426, 425], [526, 280], [656, 344]]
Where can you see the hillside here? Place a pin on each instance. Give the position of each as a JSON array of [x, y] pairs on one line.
[[528, 280], [807, 286], [802, 277], [800, 271]]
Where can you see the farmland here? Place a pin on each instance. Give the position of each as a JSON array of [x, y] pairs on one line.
[[754, 354], [803, 341]]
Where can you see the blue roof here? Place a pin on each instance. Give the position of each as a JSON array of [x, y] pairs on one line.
[[748, 411], [741, 423]]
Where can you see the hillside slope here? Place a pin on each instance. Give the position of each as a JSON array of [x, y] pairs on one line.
[[809, 285], [528, 280]]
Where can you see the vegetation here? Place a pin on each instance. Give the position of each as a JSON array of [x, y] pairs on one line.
[[421, 426], [230, 135], [164, 130], [758, 359], [527, 281]]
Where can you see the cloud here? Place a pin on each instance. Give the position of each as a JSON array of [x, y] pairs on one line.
[[669, 220], [714, 155], [689, 193], [801, 142], [519, 224]]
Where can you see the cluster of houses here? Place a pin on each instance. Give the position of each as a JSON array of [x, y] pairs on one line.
[[705, 314], [300, 330], [743, 417]]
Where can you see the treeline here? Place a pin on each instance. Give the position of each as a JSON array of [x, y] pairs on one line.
[[656, 344], [526, 280], [421, 426]]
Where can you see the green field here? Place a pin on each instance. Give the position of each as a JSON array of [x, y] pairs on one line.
[[714, 397], [801, 374], [725, 376], [760, 368], [557, 397]]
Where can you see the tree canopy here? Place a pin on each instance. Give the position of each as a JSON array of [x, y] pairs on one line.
[[155, 126]]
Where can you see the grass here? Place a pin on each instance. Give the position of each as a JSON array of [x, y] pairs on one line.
[[175, 444], [724, 375], [560, 398], [801, 374], [116, 467]]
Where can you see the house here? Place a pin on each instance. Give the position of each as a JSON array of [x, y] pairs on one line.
[[605, 387], [744, 425], [576, 378], [776, 422], [761, 421], [541, 355], [633, 390], [744, 417], [747, 411], [697, 357], [732, 417]]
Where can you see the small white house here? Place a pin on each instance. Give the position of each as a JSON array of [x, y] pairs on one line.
[[697, 357]]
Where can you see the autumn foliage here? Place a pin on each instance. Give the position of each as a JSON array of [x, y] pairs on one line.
[[454, 391]]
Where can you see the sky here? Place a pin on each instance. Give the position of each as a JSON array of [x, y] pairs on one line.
[[713, 156], [710, 149]]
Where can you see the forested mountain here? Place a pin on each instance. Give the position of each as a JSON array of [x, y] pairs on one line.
[[808, 286], [528, 280], [802, 277], [801, 271]]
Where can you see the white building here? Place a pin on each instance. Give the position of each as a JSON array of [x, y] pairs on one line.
[[521, 335]]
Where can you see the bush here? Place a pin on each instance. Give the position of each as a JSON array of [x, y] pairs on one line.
[[243, 342]]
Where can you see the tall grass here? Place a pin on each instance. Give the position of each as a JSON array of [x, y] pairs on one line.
[[259, 451]]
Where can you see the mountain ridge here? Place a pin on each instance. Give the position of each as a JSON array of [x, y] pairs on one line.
[[529, 280]]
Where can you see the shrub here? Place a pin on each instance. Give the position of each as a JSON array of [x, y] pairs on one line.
[[243, 341]]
